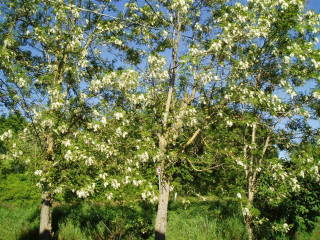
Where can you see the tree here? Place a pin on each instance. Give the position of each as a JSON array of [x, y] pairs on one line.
[[50, 51], [265, 49], [105, 91]]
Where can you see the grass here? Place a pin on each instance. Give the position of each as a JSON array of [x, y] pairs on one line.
[[211, 220], [18, 223], [200, 221]]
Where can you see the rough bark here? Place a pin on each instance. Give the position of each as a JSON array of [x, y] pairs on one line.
[[45, 218], [251, 184], [162, 213], [250, 231], [45, 229], [161, 218], [248, 217]]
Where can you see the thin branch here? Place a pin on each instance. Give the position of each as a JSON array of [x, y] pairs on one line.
[[192, 138], [265, 147], [205, 169]]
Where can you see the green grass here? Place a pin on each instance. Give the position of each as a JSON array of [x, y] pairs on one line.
[[214, 220], [18, 222], [98, 222], [211, 220]]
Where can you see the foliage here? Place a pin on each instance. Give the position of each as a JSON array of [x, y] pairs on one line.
[[118, 101]]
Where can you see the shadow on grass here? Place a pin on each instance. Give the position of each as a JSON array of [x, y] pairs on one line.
[[221, 209], [101, 222], [106, 222], [94, 221], [30, 230], [32, 233]]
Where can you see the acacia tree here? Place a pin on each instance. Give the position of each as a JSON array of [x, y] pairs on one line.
[[169, 86], [254, 50], [50, 52], [58, 69], [265, 50]]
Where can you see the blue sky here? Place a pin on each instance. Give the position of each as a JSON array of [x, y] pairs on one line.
[[314, 4]]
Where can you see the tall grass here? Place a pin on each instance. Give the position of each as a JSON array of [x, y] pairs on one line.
[[18, 223], [215, 220], [212, 220]]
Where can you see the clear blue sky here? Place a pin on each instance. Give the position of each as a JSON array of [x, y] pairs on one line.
[[314, 4]]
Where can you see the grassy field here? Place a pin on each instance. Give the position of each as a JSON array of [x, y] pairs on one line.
[[214, 219], [203, 220], [196, 221]]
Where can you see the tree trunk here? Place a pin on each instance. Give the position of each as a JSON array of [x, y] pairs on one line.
[[248, 217], [161, 219], [249, 230], [45, 218]]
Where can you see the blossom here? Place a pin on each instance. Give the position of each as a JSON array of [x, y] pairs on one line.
[[82, 193], [109, 196], [115, 184], [67, 143], [68, 155], [144, 157], [229, 123], [316, 95], [245, 211], [89, 161], [38, 172], [118, 115], [121, 133], [6, 135]]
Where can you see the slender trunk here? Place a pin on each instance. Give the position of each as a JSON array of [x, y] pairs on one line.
[[45, 218], [162, 213], [251, 181], [250, 231], [46, 202], [248, 217], [161, 219], [248, 222]]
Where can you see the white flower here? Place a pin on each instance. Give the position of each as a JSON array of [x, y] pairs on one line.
[[216, 78], [6, 135], [118, 115], [245, 211], [95, 127], [286, 227], [126, 180], [316, 95], [82, 194], [239, 195], [240, 163], [38, 172], [144, 157], [103, 175], [89, 161], [136, 182], [120, 133], [118, 42], [109, 196], [229, 123], [68, 155], [115, 184], [66, 143], [58, 190], [302, 173], [144, 195], [104, 121], [287, 59]]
